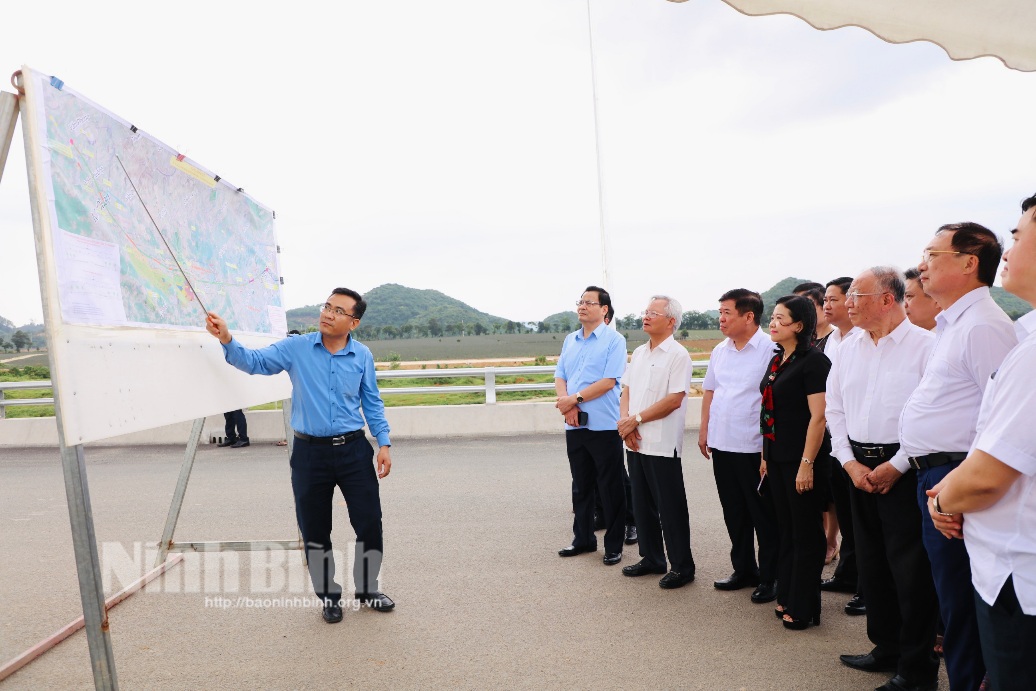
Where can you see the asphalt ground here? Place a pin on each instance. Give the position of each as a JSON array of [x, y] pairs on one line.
[[472, 527]]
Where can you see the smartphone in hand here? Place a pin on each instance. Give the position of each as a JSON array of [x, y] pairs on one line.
[[583, 418]]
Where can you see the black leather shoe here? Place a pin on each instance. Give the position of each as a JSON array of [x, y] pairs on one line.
[[736, 581], [856, 606], [612, 558], [333, 612], [377, 601], [838, 585], [572, 550], [868, 663], [226, 442], [641, 568], [675, 579], [631, 535], [766, 592], [239, 444], [901, 683]]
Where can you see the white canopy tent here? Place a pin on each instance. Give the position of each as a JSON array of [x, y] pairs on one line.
[[965, 29]]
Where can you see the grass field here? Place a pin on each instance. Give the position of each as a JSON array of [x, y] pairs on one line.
[[507, 345]]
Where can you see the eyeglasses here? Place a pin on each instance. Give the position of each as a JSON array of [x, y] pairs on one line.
[[926, 256], [588, 303], [652, 313], [775, 318], [856, 295], [336, 311]]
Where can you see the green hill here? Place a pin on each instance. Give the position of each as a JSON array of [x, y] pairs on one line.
[[778, 291], [397, 306], [1014, 306], [562, 322]]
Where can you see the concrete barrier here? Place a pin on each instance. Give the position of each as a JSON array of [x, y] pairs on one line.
[[406, 422]]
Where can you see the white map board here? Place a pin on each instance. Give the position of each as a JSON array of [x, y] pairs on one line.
[[125, 330]]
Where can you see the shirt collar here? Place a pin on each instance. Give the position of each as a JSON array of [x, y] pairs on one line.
[[756, 341], [666, 344], [900, 332], [319, 341], [596, 332], [948, 317], [1025, 326]]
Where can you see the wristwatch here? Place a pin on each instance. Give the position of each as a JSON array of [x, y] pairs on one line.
[[579, 397], [638, 419]]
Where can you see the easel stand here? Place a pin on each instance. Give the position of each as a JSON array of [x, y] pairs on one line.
[[73, 460]]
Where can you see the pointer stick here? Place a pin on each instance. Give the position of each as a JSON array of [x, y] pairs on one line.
[[171, 254]]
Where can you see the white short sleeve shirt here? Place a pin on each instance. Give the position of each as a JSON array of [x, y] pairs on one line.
[[734, 377], [1001, 540], [651, 376]]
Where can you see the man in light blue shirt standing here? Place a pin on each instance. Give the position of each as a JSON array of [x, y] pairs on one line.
[[592, 362], [334, 391]]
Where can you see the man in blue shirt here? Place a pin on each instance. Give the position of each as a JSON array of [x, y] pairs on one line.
[[593, 360], [332, 377]]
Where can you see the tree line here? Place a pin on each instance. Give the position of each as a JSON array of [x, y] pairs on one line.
[[22, 341]]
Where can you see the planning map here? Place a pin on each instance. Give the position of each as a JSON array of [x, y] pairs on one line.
[[113, 266]]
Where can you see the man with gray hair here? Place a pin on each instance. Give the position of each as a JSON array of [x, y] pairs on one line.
[[651, 423], [879, 364]]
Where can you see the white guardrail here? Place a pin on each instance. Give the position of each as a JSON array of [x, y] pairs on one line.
[[488, 374]]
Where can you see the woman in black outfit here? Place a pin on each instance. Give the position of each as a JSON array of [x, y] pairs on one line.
[[792, 423]]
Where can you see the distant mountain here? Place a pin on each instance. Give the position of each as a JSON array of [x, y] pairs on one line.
[[562, 321], [395, 305], [778, 291], [1014, 306]]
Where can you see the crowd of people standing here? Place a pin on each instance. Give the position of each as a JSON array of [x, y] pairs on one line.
[[890, 408]]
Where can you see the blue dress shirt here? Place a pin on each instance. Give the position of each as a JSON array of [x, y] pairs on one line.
[[327, 390], [584, 361]]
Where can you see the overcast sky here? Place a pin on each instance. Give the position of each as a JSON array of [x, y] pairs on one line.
[[450, 144]]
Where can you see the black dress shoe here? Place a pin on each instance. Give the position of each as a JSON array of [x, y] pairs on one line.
[[675, 579], [332, 612], [377, 601], [226, 442], [856, 606], [838, 585], [612, 558], [239, 444], [901, 683], [631, 535], [573, 550], [766, 592], [641, 568], [736, 581], [868, 663]]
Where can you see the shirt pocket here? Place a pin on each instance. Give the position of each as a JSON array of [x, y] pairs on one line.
[[350, 384], [658, 380]]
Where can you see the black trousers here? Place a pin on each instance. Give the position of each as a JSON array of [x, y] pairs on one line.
[[897, 578], [315, 472], [660, 505], [235, 418], [803, 543], [846, 570], [747, 515], [630, 518], [1008, 640], [595, 458]]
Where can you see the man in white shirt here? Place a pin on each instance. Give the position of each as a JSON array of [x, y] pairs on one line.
[[651, 423], [846, 577], [730, 431], [993, 492], [876, 369], [973, 335]]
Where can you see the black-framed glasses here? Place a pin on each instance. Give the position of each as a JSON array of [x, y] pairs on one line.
[[336, 311]]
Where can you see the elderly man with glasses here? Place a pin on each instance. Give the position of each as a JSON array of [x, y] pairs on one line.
[[334, 391], [652, 414], [592, 362]]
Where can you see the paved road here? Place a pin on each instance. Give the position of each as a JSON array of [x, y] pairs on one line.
[[472, 527]]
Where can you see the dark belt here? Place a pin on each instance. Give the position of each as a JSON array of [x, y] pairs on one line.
[[330, 441], [881, 452], [934, 460]]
